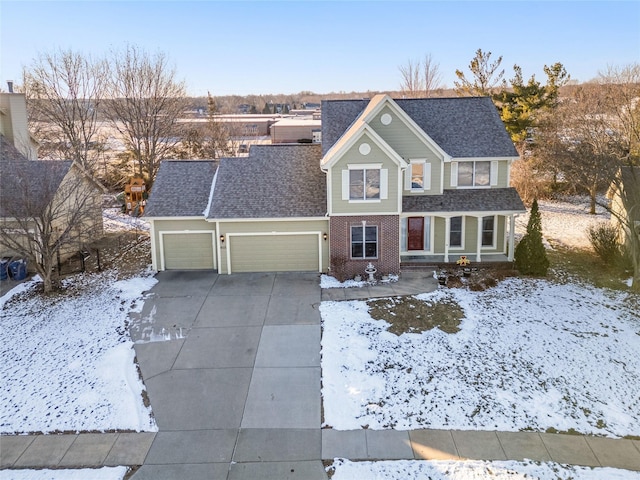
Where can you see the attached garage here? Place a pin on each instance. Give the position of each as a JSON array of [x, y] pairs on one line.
[[275, 252], [187, 250]]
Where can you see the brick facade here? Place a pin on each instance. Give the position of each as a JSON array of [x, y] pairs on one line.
[[388, 261]]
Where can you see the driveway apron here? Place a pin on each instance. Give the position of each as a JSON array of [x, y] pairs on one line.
[[231, 364]]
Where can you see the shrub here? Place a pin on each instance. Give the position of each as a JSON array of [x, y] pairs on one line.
[[604, 239], [530, 255], [338, 267]]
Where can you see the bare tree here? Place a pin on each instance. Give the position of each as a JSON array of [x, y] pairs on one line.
[[64, 90], [420, 78], [145, 102], [52, 209], [485, 76]]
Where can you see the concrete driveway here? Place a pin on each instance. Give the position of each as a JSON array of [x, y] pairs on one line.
[[232, 370]]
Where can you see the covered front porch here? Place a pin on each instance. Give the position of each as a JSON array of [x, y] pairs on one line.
[[439, 260]]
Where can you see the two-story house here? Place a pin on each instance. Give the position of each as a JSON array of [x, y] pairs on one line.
[[394, 181]]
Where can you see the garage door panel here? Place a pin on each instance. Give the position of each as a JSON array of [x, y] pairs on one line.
[[274, 253], [188, 251]]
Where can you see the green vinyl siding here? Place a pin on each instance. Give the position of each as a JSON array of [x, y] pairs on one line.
[[470, 236]]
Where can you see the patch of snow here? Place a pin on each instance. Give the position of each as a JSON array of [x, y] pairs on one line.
[[113, 220], [18, 289], [629, 282], [529, 354], [327, 281], [66, 360], [104, 473], [473, 470]]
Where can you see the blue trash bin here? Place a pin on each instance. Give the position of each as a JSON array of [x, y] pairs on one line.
[[18, 269], [4, 268]]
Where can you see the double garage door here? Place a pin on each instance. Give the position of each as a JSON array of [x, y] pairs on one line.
[[274, 253]]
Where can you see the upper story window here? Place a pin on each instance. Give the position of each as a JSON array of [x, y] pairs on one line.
[[474, 174], [418, 176], [364, 184]]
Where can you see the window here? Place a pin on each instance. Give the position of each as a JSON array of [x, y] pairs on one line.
[[417, 176], [487, 231], [364, 184], [474, 174], [364, 241], [455, 232]]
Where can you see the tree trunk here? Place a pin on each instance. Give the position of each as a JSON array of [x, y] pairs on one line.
[[593, 192]]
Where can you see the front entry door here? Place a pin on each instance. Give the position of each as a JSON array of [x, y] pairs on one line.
[[415, 234]]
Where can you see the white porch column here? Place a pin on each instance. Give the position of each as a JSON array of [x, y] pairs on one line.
[[512, 236], [447, 236], [479, 240]]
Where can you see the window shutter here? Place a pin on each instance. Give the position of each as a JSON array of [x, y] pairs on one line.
[[407, 178], [427, 176], [345, 184], [494, 173], [454, 174], [384, 184]]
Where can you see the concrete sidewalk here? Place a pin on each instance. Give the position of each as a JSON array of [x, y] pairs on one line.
[[232, 370]]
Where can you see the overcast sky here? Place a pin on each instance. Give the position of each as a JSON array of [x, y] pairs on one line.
[[242, 47]]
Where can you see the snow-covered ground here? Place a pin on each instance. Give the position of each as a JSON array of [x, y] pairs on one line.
[[66, 360], [473, 470], [529, 354], [104, 473], [113, 220], [566, 222]]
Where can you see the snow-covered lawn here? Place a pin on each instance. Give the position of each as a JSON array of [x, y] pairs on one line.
[[530, 354], [66, 360], [473, 470]]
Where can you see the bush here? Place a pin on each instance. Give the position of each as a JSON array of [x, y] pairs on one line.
[[530, 255], [604, 239]]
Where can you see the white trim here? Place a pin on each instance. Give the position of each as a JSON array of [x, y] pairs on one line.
[[154, 261], [364, 166], [482, 159], [162, 233], [493, 173], [384, 183], [228, 237], [453, 181], [199, 217]]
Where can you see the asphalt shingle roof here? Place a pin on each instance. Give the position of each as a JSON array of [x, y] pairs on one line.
[[181, 188], [29, 186], [467, 200], [8, 152], [463, 126], [274, 181]]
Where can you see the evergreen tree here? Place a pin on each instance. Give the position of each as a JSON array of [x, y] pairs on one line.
[[267, 109], [530, 255]]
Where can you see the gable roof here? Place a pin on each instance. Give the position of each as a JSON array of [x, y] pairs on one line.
[[274, 181], [9, 153], [181, 188], [466, 200], [464, 127], [30, 185]]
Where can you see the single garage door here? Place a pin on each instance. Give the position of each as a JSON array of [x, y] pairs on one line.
[[188, 251], [274, 253]]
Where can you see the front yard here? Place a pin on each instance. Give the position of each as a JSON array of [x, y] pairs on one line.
[[528, 355]]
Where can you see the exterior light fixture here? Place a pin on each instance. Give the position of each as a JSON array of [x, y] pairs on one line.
[[325, 237], [221, 238]]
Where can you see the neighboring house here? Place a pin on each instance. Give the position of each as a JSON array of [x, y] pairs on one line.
[[393, 182], [38, 190], [625, 202], [14, 126]]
